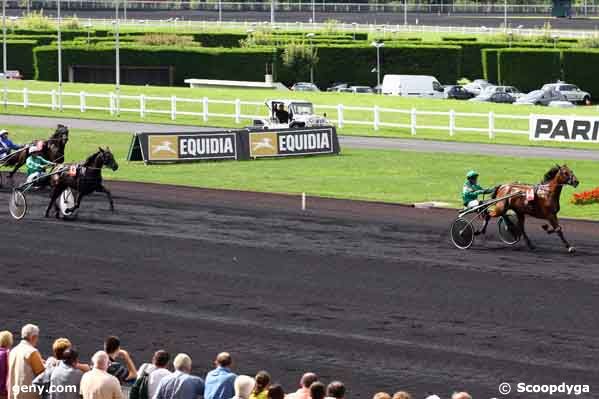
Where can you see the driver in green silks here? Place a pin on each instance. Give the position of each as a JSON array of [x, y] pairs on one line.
[[472, 190]]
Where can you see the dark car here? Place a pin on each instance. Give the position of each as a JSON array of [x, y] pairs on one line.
[[457, 93], [502, 97]]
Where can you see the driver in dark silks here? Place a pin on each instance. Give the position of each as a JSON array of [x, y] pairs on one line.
[[281, 114], [36, 166], [6, 145]]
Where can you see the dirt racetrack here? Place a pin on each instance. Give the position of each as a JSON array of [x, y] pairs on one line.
[[372, 294]]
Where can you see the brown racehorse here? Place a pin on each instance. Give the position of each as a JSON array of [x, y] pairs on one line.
[[545, 204], [52, 150]]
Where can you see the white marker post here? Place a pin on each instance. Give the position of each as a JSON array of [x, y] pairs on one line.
[[303, 201]]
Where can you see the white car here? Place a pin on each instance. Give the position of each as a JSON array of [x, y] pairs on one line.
[[357, 90], [571, 92], [488, 92], [477, 86], [299, 114]]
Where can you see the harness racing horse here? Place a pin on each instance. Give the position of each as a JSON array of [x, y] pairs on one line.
[[52, 150], [544, 205], [84, 178]]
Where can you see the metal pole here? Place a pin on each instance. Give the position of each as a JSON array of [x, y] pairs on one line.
[[313, 11], [378, 66], [4, 58], [272, 12], [117, 57], [59, 41], [505, 15], [405, 12], [220, 11], [311, 62]]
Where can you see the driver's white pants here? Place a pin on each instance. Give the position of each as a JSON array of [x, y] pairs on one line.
[[33, 176], [473, 203]]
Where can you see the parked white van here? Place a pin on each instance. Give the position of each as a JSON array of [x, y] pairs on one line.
[[412, 85]]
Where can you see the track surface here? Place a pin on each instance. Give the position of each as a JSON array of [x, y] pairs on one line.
[[378, 143], [372, 294]]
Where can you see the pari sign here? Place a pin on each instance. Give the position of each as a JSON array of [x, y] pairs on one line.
[[564, 128]]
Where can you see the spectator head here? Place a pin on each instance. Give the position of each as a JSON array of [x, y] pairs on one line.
[[262, 381], [161, 358], [402, 395], [112, 345], [276, 392], [336, 389], [30, 333], [461, 395], [182, 363], [318, 390], [70, 357], [223, 359], [244, 385], [308, 379], [6, 340], [381, 395], [59, 346], [100, 360], [433, 397]]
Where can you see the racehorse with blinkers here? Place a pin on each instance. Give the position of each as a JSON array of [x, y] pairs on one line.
[[52, 150], [84, 178], [542, 201]]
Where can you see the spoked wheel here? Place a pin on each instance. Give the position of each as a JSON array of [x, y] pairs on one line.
[[462, 233], [509, 229], [66, 201], [17, 204]]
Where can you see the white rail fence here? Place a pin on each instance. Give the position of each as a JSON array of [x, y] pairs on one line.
[[373, 117]]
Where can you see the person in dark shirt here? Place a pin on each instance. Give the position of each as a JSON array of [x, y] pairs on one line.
[[281, 114], [124, 370]]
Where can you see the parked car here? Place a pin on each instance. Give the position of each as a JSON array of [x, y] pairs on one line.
[[301, 114], [571, 92], [502, 97], [304, 86], [412, 85], [489, 93], [338, 86], [457, 93], [541, 97], [476, 87], [361, 89]]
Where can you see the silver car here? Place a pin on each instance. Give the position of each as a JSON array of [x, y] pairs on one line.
[[571, 92], [541, 97]]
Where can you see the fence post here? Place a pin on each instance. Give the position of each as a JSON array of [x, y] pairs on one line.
[[413, 122], [451, 123], [205, 109], [491, 125], [112, 102], [237, 111], [25, 98], [173, 108], [82, 101], [340, 116], [53, 95], [376, 119], [142, 106]]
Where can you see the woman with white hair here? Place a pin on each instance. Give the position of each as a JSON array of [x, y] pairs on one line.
[[5, 345], [25, 362], [244, 385]]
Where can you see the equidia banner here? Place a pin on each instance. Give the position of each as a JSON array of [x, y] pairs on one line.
[[564, 128], [233, 144]]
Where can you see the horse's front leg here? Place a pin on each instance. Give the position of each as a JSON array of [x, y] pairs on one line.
[[558, 229], [77, 203], [104, 190]]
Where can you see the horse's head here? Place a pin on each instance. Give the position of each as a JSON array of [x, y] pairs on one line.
[[61, 134], [108, 159], [567, 176]]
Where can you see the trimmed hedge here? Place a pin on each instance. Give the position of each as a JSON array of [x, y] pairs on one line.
[[458, 39], [65, 34], [580, 68], [354, 64], [489, 57], [20, 56], [208, 39], [209, 63], [41, 40], [528, 69]]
